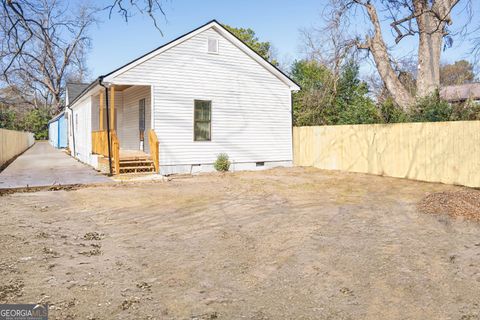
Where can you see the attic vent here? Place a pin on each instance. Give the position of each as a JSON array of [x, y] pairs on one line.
[[212, 45]]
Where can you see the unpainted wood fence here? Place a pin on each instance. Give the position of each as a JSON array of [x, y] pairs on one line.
[[12, 143], [447, 152]]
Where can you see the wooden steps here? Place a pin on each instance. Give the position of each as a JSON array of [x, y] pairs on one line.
[[131, 162], [136, 164]]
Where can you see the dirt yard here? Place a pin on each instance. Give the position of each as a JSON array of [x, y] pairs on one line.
[[280, 244]]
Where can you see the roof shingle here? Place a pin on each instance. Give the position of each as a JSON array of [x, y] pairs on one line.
[[74, 90]]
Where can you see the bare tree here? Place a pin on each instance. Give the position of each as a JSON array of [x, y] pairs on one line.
[[42, 44], [126, 8], [329, 45], [426, 19]]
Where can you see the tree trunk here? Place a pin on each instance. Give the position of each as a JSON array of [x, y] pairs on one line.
[[431, 18], [430, 46], [379, 51], [397, 90]]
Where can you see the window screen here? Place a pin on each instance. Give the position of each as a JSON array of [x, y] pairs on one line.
[[202, 123]]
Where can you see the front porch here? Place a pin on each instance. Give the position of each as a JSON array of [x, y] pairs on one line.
[[133, 144], [130, 161]]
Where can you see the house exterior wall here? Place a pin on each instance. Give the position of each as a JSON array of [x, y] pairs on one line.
[[69, 118], [129, 130], [126, 116], [251, 107], [53, 133], [81, 145]]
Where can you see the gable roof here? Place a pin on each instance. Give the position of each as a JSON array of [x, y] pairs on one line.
[[218, 27], [223, 31], [461, 92], [74, 90]]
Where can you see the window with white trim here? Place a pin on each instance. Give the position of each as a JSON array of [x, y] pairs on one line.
[[202, 120]]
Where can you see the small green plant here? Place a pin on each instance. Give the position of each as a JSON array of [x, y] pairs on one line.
[[222, 163]]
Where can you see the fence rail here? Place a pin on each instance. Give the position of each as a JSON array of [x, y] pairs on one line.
[[447, 152], [12, 143]]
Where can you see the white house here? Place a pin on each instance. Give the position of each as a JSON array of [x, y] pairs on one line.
[[176, 108]]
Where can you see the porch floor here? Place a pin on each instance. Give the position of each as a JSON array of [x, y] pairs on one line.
[[126, 154]]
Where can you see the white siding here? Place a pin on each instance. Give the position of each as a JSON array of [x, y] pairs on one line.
[[53, 133], [129, 131], [68, 115], [126, 115], [251, 115], [83, 130]]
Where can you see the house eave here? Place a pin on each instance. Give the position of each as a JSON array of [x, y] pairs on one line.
[[55, 118]]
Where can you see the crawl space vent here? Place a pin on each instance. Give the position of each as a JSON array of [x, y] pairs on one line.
[[212, 45]]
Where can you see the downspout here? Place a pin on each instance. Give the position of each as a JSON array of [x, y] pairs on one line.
[[58, 134], [100, 81]]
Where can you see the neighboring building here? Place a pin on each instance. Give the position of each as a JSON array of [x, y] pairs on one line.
[[57, 131], [58, 126], [461, 93], [200, 95]]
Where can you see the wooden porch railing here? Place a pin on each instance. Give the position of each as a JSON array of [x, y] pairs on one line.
[[100, 146], [99, 143], [154, 148], [115, 152]]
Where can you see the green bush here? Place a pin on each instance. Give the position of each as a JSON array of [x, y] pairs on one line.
[[222, 163], [431, 109], [326, 100], [391, 113], [8, 118], [469, 110], [36, 121]]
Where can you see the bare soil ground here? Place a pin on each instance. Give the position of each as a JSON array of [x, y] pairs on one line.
[[279, 244]]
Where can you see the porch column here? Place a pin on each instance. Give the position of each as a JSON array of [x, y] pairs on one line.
[[100, 124], [112, 108]]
